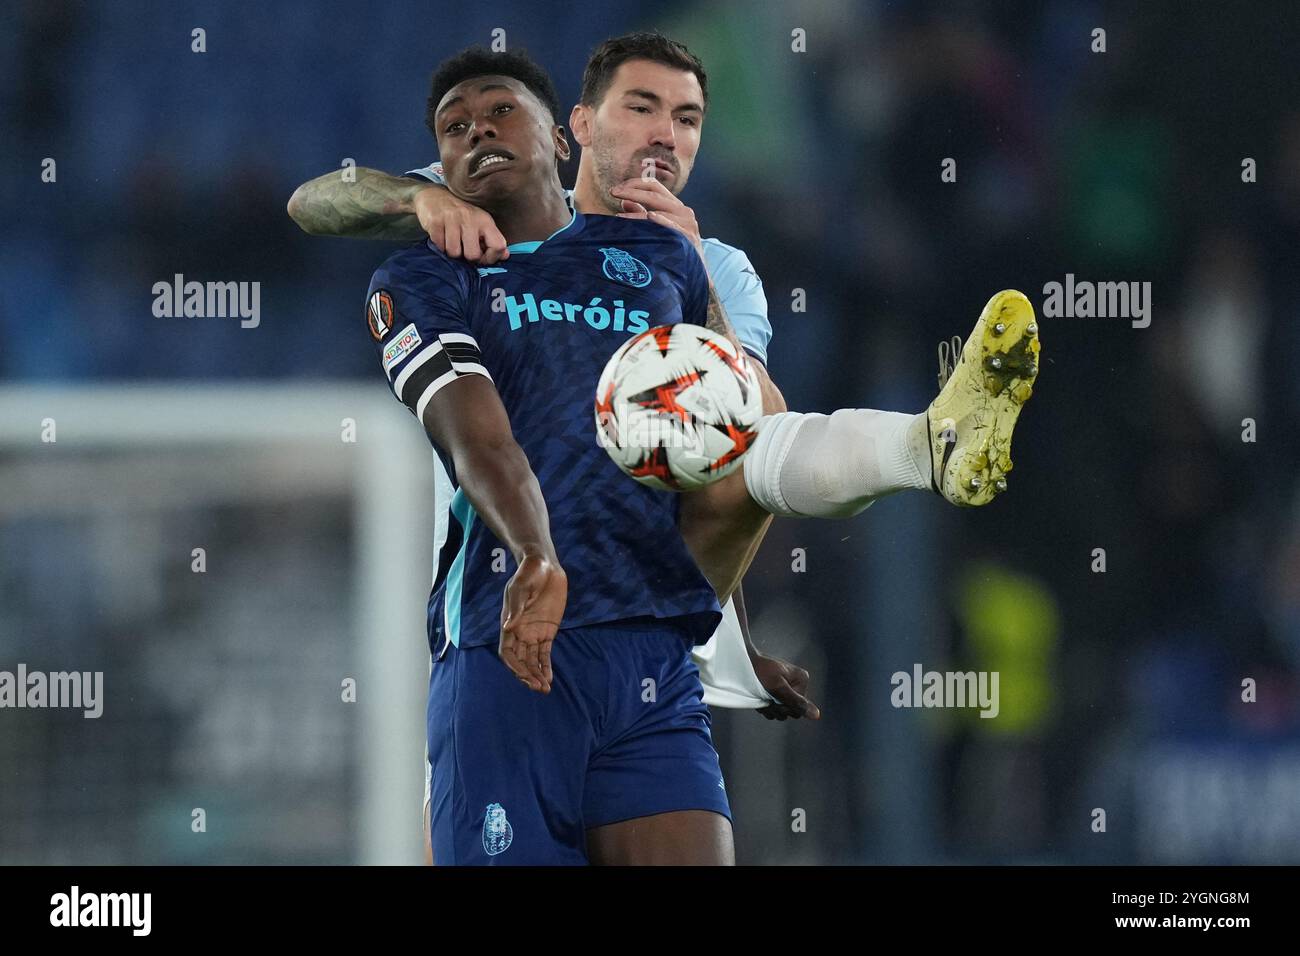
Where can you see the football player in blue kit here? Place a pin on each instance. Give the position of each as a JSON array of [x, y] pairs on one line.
[[613, 761], [639, 122], [635, 122], [804, 464]]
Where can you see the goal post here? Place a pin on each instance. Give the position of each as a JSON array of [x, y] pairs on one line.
[[144, 454]]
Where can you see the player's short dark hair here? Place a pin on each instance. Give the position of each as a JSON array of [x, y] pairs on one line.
[[480, 61], [610, 55]]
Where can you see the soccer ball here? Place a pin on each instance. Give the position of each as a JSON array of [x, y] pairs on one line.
[[677, 406]]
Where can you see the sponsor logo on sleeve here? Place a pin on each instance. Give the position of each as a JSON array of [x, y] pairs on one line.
[[402, 345]]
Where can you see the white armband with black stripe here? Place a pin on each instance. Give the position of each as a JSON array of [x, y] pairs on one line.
[[449, 356]]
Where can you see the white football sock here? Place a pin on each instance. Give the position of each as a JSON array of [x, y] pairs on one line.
[[809, 465]]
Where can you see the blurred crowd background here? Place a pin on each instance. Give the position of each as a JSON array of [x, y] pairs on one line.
[[1120, 690]]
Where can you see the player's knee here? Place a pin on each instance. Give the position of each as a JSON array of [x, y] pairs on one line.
[[839, 457]]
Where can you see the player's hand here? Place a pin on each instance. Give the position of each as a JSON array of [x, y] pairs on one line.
[[461, 230], [648, 198], [789, 685], [530, 616]]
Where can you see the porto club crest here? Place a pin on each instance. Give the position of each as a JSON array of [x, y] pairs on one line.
[[498, 834], [624, 267]]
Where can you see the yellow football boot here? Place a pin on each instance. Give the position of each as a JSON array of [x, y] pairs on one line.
[[982, 388]]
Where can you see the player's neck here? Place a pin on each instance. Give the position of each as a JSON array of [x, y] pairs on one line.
[[521, 217], [586, 192]]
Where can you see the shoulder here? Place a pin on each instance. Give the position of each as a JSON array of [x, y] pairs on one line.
[[741, 291], [718, 255], [431, 173], [423, 261], [733, 274], [420, 278]]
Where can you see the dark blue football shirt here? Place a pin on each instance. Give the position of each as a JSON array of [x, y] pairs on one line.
[[541, 325]]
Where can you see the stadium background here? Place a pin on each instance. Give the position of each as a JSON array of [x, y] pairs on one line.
[[1119, 690]]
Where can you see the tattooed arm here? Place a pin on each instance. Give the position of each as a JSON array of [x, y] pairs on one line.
[[376, 206], [717, 320], [379, 206]]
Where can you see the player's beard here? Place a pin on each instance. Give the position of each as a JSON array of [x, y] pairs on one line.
[[609, 173]]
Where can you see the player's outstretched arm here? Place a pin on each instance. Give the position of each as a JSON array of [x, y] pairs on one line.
[[380, 206], [467, 420], [374, 206]]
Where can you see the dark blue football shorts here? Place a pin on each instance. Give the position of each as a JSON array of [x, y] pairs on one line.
[[518, 777]]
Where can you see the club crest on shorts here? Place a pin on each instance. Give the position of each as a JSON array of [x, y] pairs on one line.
[[497, 832], [624, 267]]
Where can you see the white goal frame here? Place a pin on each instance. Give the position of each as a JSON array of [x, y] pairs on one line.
[[388, 475]]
